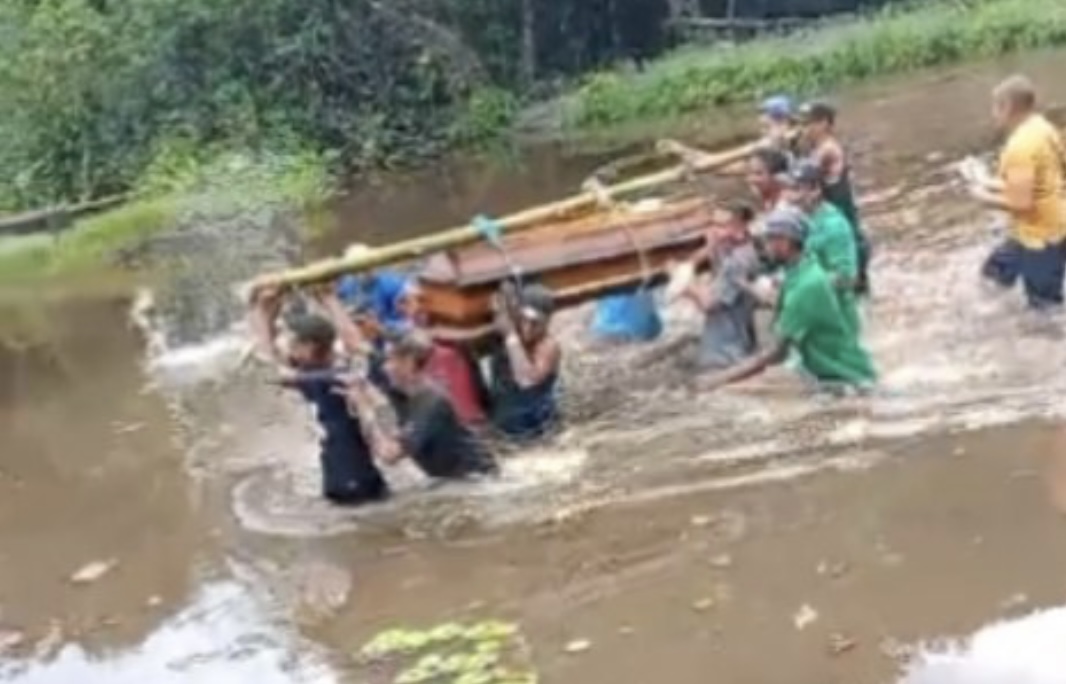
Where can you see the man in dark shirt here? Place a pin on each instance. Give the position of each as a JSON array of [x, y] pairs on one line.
[[310, 367], [429, 430]]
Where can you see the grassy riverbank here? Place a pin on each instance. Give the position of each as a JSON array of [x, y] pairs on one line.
[[178, 187], [925, 35]]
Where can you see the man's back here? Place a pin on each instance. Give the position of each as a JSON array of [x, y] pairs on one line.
[[832, 242], [810, 318], [1035, 147], [436, 439]]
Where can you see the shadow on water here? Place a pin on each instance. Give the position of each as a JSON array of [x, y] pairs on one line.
[[698, 525]]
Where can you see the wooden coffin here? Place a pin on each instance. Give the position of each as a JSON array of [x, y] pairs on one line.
[[579, 260]]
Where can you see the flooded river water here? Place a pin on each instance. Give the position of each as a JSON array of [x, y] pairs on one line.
[[159, 521]]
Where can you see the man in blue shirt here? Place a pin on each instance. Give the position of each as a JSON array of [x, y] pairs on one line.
[[377, 292]]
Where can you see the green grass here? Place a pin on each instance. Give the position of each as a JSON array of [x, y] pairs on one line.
[[932, 33], [177, 185]]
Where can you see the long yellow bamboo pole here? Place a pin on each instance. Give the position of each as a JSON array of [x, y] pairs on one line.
[[462, 235]]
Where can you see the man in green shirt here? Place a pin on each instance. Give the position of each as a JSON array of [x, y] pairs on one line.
[[831, 239], [809, 319]]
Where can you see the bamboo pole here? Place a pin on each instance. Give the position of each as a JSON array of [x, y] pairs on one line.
[[459, 236]]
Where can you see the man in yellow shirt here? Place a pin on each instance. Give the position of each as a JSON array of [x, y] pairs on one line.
[[1029, 188]]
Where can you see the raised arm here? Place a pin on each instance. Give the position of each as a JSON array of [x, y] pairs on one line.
[[355, 343], [262, 322], [377, 418], [532, 367]]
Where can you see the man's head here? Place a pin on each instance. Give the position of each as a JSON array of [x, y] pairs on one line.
[[817, 120], [765, 165], [536, 306], [406, 359], [775, 114], [784, 233], [312, 341], [412, 303], [803, 186], [730, 223], [1013, 100], [361, 311]]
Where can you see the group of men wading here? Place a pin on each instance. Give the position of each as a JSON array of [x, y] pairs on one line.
[[383, 389]]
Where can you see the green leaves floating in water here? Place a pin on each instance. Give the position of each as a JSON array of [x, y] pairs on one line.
[[489, 652]]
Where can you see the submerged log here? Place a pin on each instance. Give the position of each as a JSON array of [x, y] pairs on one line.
[[55, 219]]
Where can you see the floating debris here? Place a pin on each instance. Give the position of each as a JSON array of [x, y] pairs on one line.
[[701, 520], [704, 604], [93, 571], [804, 617], [840, 644], [722, 561], [578, 646]]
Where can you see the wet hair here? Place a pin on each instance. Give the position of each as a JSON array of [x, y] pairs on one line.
[[314, 330], [773, 160], [822, 112], [413, 345], [1018, 91], [739, 209]]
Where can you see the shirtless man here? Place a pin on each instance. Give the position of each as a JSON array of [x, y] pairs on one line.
[[525, 367], [818, 124]]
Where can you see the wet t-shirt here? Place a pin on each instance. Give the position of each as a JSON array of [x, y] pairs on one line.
[[434, 437], [811, 320], [729, 327], [832, 242], [347, 464]]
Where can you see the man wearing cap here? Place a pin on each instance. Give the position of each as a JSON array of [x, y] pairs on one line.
[[831, 239], [525, 369], [777, 124], [1029, 188], [818, 122], [809, 320]]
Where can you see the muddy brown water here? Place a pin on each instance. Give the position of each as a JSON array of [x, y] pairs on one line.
[[680, 538]]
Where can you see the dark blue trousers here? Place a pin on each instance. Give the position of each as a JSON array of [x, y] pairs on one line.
[[1040, 270]]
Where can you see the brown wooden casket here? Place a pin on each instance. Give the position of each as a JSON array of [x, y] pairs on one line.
[[579, 260]]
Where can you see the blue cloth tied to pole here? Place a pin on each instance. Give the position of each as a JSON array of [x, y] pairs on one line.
[[492, 232]]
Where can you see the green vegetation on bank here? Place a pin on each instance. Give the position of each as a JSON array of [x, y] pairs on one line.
[[927, 34], [177, 184]]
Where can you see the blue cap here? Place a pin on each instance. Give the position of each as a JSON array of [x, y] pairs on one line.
[[777, 107]]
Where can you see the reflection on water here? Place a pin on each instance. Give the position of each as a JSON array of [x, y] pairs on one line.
[[223, 636], [1027, 650]]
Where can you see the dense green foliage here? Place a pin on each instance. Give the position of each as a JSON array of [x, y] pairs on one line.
[[94, 90], [928, 34], [99, 95]]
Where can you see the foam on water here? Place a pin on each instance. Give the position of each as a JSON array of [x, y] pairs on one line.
[[1027, 650], [224, 636], [952, 357]]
